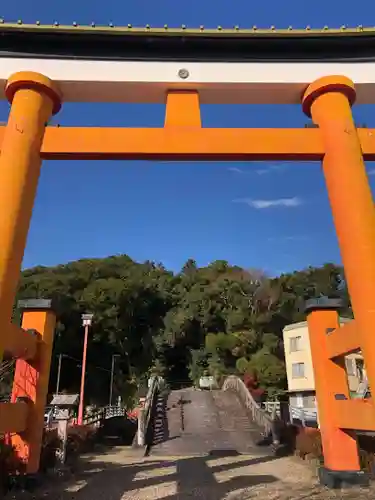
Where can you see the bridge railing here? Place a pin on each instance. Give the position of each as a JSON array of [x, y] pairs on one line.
[[259, 415], [101, 414], [306, 417], [145, 414], [272, 407]]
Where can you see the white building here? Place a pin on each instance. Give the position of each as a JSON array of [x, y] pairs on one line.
[[299, 368]]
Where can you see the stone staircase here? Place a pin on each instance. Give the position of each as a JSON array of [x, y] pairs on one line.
[[193, 422], [235, 419]]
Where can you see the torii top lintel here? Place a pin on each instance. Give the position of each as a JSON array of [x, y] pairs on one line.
[[183, 43], [142, 64]]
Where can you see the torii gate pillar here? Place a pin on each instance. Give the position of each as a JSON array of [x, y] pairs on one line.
[[328, 101], [34, 98]]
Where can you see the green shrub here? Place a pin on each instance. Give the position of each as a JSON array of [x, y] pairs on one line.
[[50, 443], [309, 442], [9, 464], [242, 365], [367, 453], [80, 440]]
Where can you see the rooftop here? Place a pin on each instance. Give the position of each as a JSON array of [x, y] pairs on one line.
[[303, 324], [228, 44], [219, 31]]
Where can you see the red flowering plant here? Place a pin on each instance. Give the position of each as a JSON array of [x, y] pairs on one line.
[[252, 384]]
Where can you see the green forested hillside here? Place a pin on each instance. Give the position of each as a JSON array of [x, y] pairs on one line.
[[217, 319]]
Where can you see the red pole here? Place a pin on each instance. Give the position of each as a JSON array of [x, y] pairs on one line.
[[82, 394]]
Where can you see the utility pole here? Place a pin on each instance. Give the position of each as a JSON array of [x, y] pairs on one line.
[[59, 374], [114, 356], [86, 323]]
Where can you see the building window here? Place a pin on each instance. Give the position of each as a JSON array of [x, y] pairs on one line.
[[298, 370], [296, 400], [295, 344], [360, 370], [350, 366]]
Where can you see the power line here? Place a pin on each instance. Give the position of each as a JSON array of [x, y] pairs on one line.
[[89, 365]]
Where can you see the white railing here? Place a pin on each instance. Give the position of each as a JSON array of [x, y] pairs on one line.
[[258, 414], [97, 416], [114, 411], [266, 415], [144, 414], [272, 407], [304, 415]]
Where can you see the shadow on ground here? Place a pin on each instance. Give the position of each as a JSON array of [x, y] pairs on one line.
[[171, 480], [222, 475], [117, 431]]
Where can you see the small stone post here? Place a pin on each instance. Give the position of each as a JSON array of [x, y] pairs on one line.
[[141, 427], [62, 433]]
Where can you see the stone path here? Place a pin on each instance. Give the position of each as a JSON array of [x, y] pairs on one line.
[[211, 421], [210, 455], [121, 475]]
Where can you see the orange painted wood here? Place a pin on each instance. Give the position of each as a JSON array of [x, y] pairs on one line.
[[189, 143], [20, 163], [19, 343], [355, 414], [351, 202], [182, 109], [340, 448], [13, 417], [181, 143], [343, 340], [31, 381]]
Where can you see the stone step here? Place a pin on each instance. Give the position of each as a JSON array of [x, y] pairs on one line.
[[212, 420]]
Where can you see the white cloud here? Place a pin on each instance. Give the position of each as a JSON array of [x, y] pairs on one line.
[[278, 202], [268, 168], [236, 170], [273, 167], [296, 237]]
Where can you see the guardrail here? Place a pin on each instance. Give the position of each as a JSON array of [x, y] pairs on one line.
[[259, 415], [305, 416], [144, 414], [104, 413], [272, 407]]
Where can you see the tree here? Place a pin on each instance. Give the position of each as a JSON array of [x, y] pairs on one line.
[[269, 369], [218, 318]]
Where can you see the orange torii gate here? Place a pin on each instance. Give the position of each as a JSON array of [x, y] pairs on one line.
[[185, 68]]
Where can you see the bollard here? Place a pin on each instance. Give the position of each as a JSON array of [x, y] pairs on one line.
[[141, 427]]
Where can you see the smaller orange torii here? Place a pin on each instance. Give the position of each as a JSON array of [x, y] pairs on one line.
[[22, 420], [339, 415]]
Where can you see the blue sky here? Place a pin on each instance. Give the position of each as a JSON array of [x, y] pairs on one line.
[[170, 212]]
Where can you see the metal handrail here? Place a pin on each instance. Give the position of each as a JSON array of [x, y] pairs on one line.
[[145, 414], [152, 390], [104, 413], [303, 414]]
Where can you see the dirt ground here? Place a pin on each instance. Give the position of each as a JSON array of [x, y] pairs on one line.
[[123, 474]]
